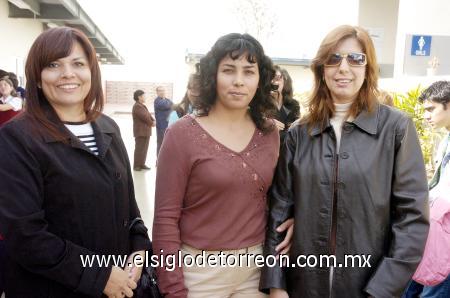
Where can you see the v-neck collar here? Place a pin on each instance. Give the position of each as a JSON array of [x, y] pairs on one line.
[[249, 146]]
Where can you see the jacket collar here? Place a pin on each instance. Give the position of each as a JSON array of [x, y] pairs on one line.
[[140, 104], [102, 131], [365, 121], [368, 121], [318, 129]]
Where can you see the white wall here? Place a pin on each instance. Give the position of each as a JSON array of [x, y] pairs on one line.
[[381, 16], [17, 37], [302, 78], [419, 17]]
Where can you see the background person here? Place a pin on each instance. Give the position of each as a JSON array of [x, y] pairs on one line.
[[67, 189], [288, 109], [10, 104], [186, 105], [352, 174], [163, 108], [143, 122], [432, 277]]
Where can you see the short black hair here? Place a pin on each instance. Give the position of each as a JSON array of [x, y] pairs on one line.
[[137, 93], [438, 92]]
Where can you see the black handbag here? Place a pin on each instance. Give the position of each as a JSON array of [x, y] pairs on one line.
[[147, 286]]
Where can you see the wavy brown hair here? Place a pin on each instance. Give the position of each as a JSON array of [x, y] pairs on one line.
[[52, 45], [320, 104], [235, 45]]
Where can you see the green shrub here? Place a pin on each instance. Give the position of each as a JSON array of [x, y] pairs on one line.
[[410, 104]]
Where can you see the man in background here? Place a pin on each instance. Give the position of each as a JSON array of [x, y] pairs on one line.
[[163, 108], [432, 277]]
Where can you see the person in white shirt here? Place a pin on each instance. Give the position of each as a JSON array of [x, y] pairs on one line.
[[10, 104]]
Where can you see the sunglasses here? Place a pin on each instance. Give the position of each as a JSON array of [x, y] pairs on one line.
[[353, 59]]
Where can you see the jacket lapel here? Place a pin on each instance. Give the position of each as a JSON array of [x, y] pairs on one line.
[[103, 137]]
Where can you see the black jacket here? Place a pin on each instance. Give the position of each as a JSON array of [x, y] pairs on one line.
[[59, 201], [288, 114], [381, 206]]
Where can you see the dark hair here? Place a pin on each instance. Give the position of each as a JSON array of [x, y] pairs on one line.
[[3, 73], [137, 93], [438, 92], [235, 45], [288, 92], [320, 103], [49, 46], [183, 107]]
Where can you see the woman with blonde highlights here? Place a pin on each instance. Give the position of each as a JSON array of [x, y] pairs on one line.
[[351, 173]]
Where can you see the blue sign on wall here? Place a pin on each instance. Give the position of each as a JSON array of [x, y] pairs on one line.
[[421, 45]]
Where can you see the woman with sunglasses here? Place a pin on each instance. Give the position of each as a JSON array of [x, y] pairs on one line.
[[351, 173]]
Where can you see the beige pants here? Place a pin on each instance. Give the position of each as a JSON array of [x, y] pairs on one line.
[[221, 282]]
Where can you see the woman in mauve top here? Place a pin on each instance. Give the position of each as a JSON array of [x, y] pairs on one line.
[[214, 169]]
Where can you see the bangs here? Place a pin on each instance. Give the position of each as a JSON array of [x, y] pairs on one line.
[[238, 47], [62, 45]]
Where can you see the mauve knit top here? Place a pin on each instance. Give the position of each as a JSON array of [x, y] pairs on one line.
[[208, 196]]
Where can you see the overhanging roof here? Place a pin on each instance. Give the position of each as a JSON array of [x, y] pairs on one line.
[[69, 13]]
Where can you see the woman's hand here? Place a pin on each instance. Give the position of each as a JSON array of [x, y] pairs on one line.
[[285, 245], [278, 124], [278, 293], [119, 284], [134, 272]]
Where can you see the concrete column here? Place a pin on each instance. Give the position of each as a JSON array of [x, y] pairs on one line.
[[381, 19]]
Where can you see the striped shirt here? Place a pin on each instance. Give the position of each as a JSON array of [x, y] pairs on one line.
[[85, 133]]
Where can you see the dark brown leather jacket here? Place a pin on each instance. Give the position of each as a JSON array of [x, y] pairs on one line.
[[375, 187]]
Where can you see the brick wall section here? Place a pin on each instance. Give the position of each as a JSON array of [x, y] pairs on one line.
[[121, 92]]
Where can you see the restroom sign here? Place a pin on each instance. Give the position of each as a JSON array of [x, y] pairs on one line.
[[421, 45]]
